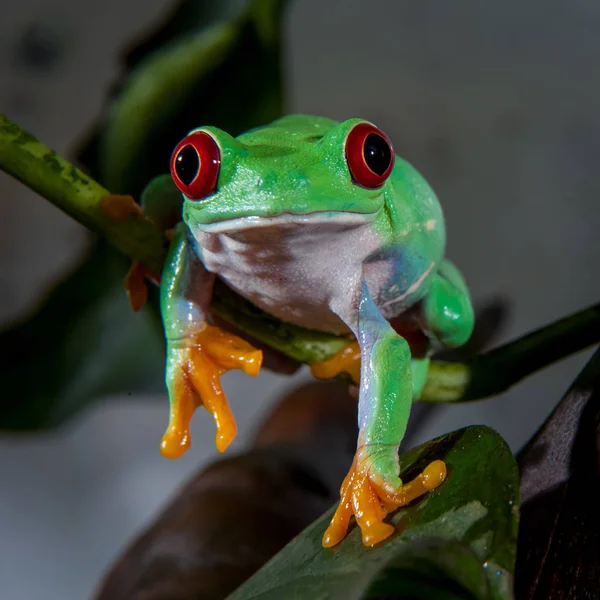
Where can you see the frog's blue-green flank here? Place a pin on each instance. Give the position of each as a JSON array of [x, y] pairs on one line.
[[319, 224]]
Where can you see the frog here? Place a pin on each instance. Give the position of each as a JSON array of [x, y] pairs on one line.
[[320, 224]]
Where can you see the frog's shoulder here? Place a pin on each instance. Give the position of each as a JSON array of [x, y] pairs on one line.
[[303, 128]]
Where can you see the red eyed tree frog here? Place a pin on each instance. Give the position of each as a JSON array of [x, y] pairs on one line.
[[320, 224]]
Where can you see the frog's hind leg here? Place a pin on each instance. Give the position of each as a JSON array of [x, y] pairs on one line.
[[373, 487], [447, 313]]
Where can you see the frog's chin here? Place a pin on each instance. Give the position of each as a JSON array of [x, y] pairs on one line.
[[335, 219]]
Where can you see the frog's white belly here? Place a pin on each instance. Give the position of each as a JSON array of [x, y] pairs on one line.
[[303, 270]]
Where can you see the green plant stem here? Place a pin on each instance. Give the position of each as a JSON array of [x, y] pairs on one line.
[[68, 188], [41, 169]]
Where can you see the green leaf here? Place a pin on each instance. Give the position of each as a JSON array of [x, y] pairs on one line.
[[83, 343], [205, 67], [457, 542], [185, 16]]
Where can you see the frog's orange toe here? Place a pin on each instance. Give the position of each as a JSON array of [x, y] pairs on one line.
[[333, 535], [176, 439], [230, 351], [345, 360], [174, 443], [365, 497], [428, 480], [135, 284], [377, 533], [434, 474], [194, 379]]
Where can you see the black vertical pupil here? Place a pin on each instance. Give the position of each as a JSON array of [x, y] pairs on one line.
[[377, 153], [187, 164]]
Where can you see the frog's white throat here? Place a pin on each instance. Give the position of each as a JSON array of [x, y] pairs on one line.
[[296, 267]]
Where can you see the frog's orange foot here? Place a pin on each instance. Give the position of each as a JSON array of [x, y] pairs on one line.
[[120, 208], [135, 284], [345, 360], [194, 369], [366, 496]]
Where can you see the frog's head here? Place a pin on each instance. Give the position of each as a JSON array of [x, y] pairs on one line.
[[298, 167]]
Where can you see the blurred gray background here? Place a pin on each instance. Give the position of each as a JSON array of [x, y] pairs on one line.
[[495, 103]]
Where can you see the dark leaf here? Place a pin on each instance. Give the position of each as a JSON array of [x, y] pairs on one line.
[[237, 513], [185, 16], [84, 342], [458, 542], [559, 539]]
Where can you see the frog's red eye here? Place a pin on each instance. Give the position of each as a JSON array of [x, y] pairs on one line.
[[195, 164], [370, 155]]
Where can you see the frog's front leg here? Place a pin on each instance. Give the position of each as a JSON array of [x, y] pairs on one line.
[[198, 353], [373, 488]]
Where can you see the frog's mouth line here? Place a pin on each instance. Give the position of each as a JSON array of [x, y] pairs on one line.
[[335, 218]]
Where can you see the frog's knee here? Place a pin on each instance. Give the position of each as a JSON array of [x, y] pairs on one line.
[[451, 320], [456, 323]]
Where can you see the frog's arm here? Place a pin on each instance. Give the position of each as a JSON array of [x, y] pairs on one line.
[[389, 381], [198, 353], [446, 317], [373, 488]]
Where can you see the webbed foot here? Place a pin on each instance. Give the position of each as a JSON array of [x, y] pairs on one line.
[[345, 360], [120, 208], [135, 284], [370, 492], [194, 369]]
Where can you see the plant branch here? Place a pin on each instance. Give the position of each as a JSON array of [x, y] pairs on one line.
[[41, 169], [68, 188]]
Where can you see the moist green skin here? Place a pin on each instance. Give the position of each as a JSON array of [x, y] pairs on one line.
[[390, 260]]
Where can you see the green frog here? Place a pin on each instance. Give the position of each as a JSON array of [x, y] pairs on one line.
[[320, 224]]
